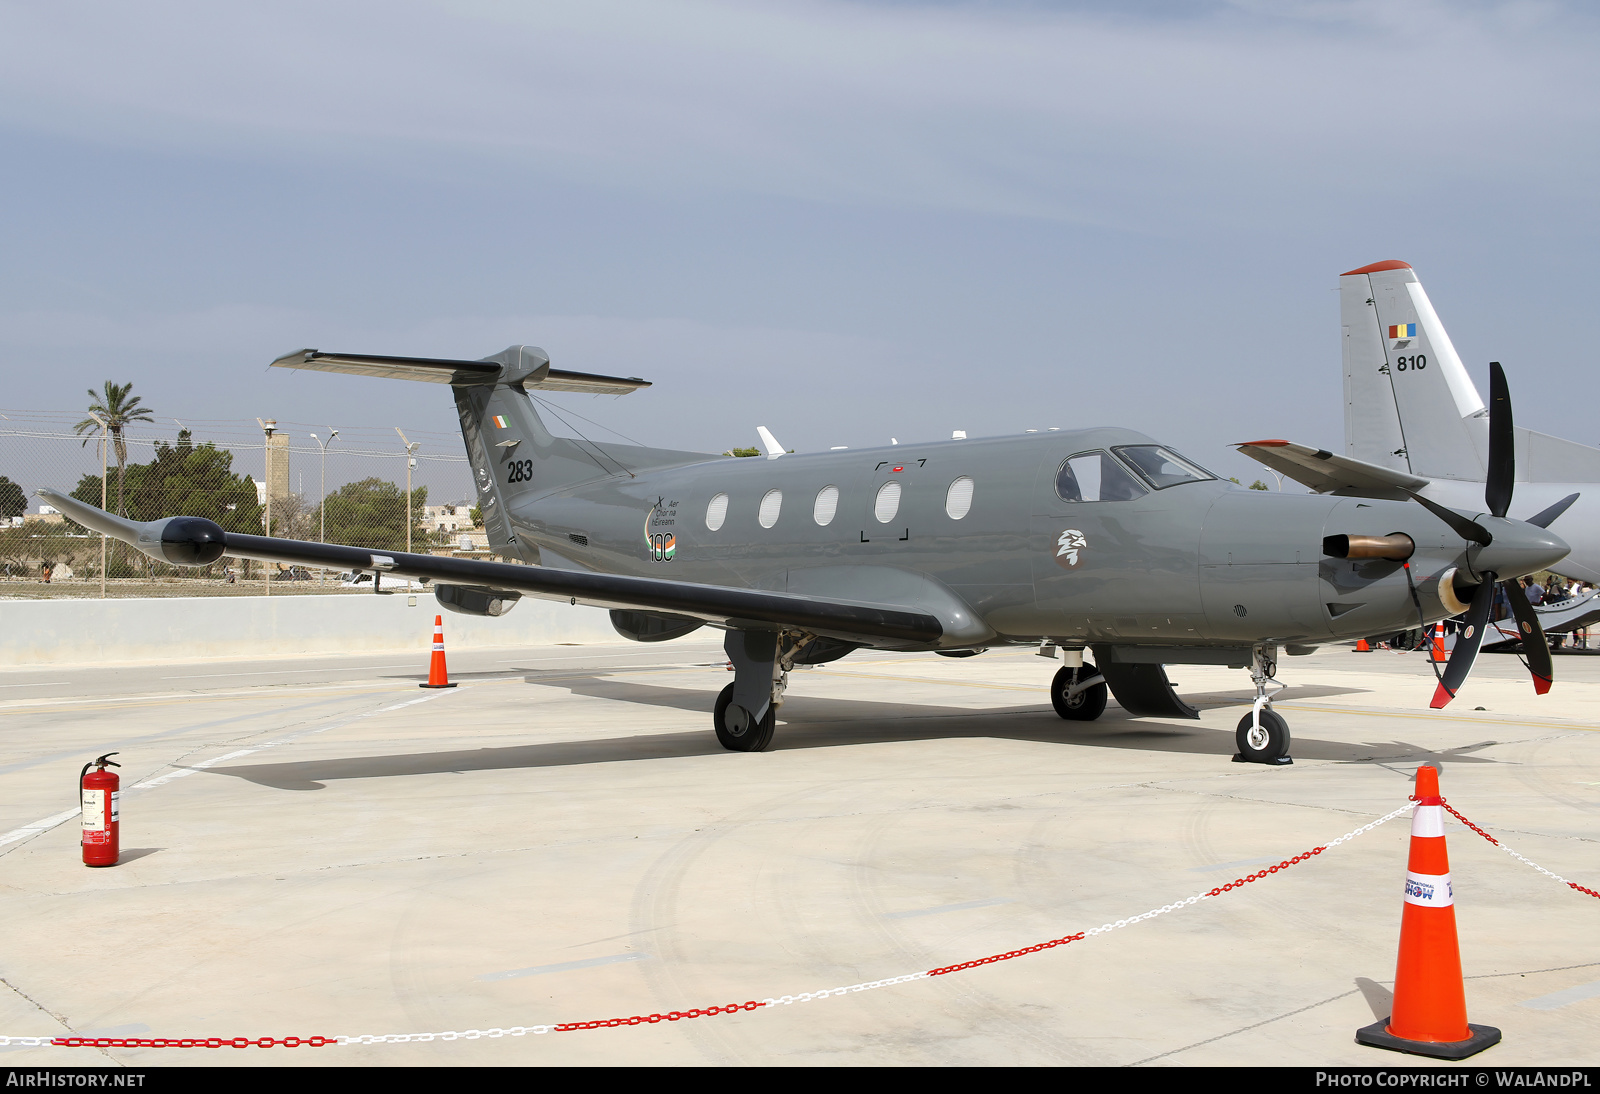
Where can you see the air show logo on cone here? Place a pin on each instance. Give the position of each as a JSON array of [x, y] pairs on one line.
[[1068, 546], [1429, 890]]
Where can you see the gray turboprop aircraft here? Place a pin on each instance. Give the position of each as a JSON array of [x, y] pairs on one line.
[[1097, 540]]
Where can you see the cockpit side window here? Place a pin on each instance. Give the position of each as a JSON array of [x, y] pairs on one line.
[[1095, 476], [1162, 467]]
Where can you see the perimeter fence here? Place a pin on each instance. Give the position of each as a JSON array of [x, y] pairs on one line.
[[369, 486]]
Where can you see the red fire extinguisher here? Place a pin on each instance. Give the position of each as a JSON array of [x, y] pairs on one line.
[[99, 792]]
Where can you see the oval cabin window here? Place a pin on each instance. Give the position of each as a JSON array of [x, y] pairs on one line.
[[771, 503], [887, 503], [827, 505], [958, 500], [717, 512]]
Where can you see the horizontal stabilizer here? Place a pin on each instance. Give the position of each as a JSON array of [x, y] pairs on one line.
[[1326, 473], [519, 363]]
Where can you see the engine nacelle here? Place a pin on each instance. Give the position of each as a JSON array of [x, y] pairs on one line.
[[652, 626], [476, 599]]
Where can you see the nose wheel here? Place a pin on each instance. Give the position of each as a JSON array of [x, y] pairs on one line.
[[1263, 735], [1265, 741]]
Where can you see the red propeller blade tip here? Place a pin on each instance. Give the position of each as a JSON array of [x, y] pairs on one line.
[[1541, 684], [1441, 696]]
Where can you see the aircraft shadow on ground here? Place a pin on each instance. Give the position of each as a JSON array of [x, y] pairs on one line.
[[819, 722]]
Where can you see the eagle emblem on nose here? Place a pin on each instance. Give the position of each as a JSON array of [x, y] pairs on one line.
[[1067, 547]]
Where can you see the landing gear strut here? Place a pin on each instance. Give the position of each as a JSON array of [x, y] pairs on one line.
[[1263, 735], [747, 710]]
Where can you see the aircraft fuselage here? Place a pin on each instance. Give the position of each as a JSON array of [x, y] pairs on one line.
[[1199, 563]]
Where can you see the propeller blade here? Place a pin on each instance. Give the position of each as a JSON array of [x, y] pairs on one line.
[[1468, 639], [1502, 444], [1545, 517], [1463, 526], [1534, 643]]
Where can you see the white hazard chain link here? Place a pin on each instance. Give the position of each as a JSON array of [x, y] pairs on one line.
[[825, 993], [674, 1016], [454, 1035], [1520, 858]]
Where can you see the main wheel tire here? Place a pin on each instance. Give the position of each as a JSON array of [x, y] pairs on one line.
[[1264, 746], [751, 736], [1085, 706]]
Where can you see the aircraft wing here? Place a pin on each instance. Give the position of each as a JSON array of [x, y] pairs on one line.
[[196, 541], [1326, 473]]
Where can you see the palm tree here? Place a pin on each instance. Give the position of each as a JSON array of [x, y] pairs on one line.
[[117, 411]]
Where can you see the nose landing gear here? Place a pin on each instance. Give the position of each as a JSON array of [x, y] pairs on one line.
[[1263, 735]]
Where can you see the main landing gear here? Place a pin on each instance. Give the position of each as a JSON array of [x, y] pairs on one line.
[[1079, 692], [747, 710], [1263, 735]]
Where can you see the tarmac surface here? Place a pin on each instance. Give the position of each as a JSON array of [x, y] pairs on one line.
[[324, 849]]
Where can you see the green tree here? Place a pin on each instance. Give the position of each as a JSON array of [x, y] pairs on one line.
[[742, 452], [188, 480], [1259, 485], [372, 514], [118, 411], [13, 502]]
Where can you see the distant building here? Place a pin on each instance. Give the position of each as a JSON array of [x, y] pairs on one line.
[[454, 517]]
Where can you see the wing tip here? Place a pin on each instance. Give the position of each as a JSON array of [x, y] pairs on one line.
[[1261, 444]]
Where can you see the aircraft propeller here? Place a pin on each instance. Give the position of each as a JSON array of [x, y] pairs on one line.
[[1497, 491]]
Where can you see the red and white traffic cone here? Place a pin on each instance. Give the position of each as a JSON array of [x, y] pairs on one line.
[[438, 677], [1436, 653], [1362, 647], [1429, 1016]]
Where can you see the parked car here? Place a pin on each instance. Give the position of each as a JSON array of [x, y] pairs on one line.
[[390, 582]]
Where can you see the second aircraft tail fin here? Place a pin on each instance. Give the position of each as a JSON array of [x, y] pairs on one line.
[[1409, 403]]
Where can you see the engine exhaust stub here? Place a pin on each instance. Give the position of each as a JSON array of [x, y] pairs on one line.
[[1396, 547]]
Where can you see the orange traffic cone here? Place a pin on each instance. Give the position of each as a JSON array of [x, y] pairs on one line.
[[1362, 647], [1430, 1006], [1437, 654], [437, 676]]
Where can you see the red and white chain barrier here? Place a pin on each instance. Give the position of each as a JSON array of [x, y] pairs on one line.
[[1520, 858], [753, 1004]]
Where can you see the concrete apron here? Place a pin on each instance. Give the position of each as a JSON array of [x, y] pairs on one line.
[[53, 632]]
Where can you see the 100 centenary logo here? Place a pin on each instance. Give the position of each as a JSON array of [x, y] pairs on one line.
[[660, 535]]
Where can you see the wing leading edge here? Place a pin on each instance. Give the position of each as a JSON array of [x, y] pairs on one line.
[[196, 541]]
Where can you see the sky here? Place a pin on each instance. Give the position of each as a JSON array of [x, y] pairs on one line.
[[846, 221]]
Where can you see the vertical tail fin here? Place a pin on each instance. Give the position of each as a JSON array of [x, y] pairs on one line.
[[1409, 403], [511, 452]]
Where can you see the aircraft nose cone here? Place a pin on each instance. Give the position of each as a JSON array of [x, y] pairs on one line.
[[1518, 548]]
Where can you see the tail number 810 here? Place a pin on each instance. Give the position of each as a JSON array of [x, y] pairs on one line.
[[1419, 361]]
